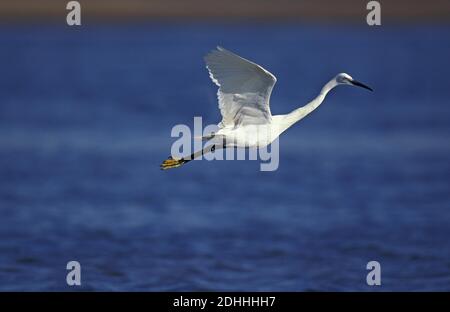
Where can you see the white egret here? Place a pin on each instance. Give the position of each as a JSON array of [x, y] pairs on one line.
[[244, 94]]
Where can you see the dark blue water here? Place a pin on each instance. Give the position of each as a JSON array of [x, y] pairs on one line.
[[85, 120]]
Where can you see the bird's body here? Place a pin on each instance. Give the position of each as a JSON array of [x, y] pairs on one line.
[[244, 96], [249, 135]]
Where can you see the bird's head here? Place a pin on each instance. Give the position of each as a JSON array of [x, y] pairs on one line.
[[346, 79]]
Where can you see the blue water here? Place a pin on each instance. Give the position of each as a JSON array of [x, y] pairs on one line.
[[85, 120]]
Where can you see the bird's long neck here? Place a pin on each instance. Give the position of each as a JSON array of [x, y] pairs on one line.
[[301, 112]]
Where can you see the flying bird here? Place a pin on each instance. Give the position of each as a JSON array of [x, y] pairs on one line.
[[244, 96]]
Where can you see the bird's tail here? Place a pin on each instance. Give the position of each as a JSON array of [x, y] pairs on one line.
[[170, 163]]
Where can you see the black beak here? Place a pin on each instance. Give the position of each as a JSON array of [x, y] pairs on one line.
[[359, 84]]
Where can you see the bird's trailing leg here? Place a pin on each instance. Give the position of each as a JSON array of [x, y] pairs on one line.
[[171, 162]]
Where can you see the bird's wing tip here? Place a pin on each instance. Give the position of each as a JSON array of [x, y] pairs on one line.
[[211, 53], [215, 52]]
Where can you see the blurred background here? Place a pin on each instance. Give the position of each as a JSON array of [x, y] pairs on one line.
[[85, 119]]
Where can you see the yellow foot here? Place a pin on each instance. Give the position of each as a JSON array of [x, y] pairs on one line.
[[170, 163]]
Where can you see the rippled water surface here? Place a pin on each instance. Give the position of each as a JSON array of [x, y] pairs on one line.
[[85, 120]]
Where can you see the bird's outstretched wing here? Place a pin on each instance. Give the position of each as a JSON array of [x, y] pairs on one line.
[[244, 88]]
